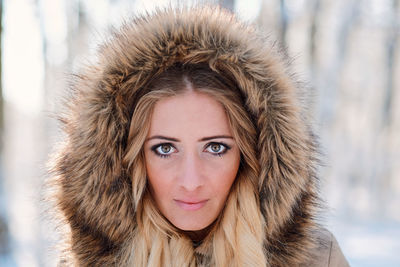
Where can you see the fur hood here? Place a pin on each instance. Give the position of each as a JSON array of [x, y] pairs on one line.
[[94, 191]]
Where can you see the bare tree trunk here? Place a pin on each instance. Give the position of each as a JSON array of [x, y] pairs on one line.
[[336, 66], [4, 233], [392, 41], [313, 31], [284, 22], [228, 4], [1, 70]]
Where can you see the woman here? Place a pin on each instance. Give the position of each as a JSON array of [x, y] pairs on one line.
[[186, 145]]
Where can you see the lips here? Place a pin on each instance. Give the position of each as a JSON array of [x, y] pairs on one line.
[[191, 205]]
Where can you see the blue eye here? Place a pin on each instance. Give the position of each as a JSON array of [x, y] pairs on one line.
[[217, 149], [163, 150]]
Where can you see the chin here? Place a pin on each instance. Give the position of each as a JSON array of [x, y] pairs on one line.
[[191, 226]]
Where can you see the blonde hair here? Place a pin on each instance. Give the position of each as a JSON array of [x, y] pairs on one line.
[[237, 236]]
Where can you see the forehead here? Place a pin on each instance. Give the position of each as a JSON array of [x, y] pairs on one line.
[[191, 113]]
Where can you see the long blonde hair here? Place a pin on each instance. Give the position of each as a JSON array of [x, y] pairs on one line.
[[237, 236]]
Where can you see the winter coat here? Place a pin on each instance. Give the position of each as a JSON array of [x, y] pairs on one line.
[[93, 189]]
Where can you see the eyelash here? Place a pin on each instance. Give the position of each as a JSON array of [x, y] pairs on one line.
[[220, 154], [155, 147]]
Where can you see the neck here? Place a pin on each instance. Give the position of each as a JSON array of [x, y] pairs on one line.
[[198, 236]]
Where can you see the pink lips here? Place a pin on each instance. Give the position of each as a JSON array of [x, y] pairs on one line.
[[189, 205]]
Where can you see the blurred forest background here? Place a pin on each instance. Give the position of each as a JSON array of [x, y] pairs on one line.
[[347, 50]]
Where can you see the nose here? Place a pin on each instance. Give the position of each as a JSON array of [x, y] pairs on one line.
[[190, 175]]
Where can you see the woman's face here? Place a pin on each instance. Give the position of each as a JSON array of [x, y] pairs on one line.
[[191, 159]]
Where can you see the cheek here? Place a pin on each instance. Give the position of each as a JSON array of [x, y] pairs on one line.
[[223, 174], [159, 177], [229, 175]]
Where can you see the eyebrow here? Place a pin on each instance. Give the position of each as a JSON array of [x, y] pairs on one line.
[[215, 137], [200, 140], [163, 137]]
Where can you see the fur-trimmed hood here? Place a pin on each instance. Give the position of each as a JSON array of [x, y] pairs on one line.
[[94, 192]]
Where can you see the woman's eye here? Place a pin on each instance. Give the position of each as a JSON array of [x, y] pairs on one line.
[[163, 150], [217, 148]]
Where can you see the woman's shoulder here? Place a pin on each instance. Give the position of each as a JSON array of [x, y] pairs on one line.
[[328, 252]]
